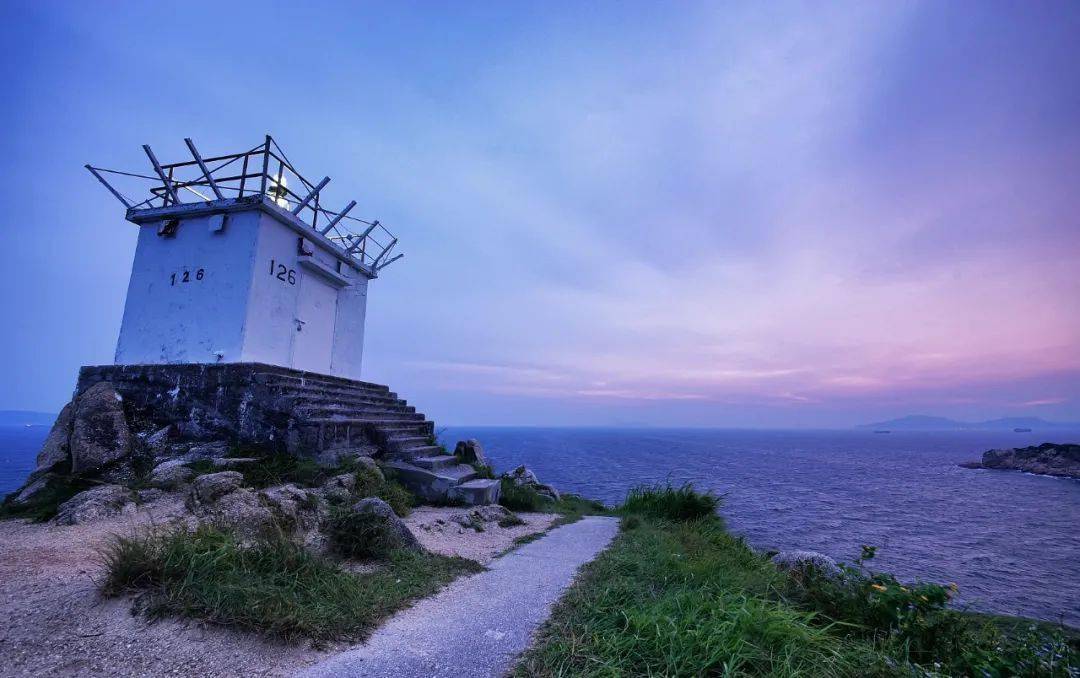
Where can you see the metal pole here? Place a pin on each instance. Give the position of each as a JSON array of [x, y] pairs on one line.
[[114, 191], [384, 252], [314, 192], [266, 165], [202, 166], [161, 174], [339, 217], [389, 261], [363, 236]]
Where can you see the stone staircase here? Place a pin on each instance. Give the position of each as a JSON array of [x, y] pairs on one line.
[[334, 416], [314, 414]]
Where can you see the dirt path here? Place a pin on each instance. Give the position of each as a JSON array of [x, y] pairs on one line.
[[53, 622], [478, 625]]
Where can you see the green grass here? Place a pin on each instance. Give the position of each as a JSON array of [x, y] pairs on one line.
[[272, 586], [358, 535], [669, 502], [677, 595], [683, 599], [44, 505]]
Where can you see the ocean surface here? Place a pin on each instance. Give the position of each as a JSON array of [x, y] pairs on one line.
[[1010, 540]]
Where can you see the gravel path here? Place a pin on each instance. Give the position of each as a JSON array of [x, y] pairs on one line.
[[478, 625]]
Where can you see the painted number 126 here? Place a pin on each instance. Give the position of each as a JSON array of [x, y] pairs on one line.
[[282, 273]]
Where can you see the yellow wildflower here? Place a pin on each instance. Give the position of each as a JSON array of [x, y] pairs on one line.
[[879, 587]]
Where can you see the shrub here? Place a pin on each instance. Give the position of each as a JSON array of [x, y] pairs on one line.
[[521, 497], [358, 535], [512, 520], [272, 585], [911, 623], [668, 502]]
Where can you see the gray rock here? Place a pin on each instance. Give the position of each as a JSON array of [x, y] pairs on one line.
[[291, 505], [523, 476], [150, 495], [100, 502], [339, 488], [483, 514], [211, 450], [57, 446], [396, 529], [171, 474], [99, 433], [547, 491], [232, 462], [159, 439], [212, 486], [31, 488], [804, 563], [470, 452], [242, 510]]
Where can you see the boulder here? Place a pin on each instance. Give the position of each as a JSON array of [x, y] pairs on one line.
[[395, 528], [212, 486], [807, 563], [481, 514], [57, 447], [470, 452], [159, 439], [523, 476], [339, 488], [547, 491], [292, 505], [171, 474], [150, 495], [100, 502], [242, 510], [99, 432]]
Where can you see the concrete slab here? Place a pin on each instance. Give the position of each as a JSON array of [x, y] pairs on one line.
[[478, 625]]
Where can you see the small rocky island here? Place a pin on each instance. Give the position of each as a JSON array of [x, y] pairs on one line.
[[1050, 459]]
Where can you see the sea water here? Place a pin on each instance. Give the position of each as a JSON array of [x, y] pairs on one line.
[[1010, 540]]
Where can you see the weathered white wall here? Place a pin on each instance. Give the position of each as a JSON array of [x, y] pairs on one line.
[[250, 302], [271, 310], [168, 320]]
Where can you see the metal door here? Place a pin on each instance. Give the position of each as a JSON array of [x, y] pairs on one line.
[[316, 311]]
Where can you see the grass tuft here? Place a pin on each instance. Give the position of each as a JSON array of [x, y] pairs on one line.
[[358, 535], [667, 502], [44, 505], [272, 585]]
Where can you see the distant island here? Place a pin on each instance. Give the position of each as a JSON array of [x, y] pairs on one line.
[[922, 422], [26, 418]]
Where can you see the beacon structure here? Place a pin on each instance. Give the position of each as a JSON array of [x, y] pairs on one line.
[[238, 261]]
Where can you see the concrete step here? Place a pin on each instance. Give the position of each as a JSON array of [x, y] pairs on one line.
[[476, 492], [310, 379], [431, 485], [439, 461], [338, 396], [349, 411]]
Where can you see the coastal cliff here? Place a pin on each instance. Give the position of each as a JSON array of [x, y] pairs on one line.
[[1049, 459]]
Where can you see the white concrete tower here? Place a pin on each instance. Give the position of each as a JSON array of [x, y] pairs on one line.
[[239, 262]]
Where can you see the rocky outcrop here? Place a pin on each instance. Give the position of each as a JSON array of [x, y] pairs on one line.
[[99, 431], [524, 477], [100, 502], [171, 474], [1049, 459], [210, 487], [292, 506], [807, 564], [57, 448], [470, 452]]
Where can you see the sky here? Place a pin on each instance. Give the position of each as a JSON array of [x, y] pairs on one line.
[[731, 214]]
